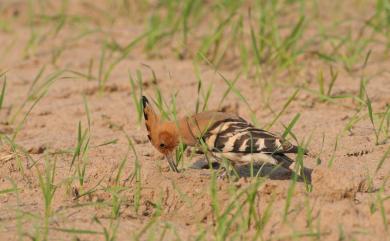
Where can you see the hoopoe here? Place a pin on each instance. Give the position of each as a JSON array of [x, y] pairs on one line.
[[225, 135]]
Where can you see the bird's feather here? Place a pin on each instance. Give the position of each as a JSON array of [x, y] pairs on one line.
[[225, 134], [238, 136]]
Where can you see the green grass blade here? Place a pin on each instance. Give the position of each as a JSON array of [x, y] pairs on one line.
[[2, 95], [292, 97], [382, 160], [76, 231], [371, 116], [291, 125]]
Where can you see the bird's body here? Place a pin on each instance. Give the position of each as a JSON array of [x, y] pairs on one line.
[[225, 135]]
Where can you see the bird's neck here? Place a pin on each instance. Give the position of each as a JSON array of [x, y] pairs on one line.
[[180, 129]]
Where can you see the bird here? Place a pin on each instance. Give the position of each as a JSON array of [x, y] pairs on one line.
[[224, 135]]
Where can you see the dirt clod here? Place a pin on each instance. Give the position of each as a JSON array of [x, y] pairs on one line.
[[37, 149]]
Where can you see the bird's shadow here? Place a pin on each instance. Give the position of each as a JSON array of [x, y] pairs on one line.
[[273, 172]]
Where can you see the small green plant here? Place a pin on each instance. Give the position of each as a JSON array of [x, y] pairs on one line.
[[109, 233], [378, 203], [136, 93], [136, 176], [116, 189], [104, 71], [284, 108], [380, 22], [2, 93], [382, 160], [201, 92], [36, 92], [321, 82], [80, 153], [81, 146], [383, 125], [48, 189]]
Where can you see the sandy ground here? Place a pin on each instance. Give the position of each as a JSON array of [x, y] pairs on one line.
[[177, 206]]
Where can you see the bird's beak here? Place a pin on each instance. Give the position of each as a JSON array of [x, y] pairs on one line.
[[171, 162]]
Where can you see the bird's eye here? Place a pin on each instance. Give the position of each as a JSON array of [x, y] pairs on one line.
[[162, 145]]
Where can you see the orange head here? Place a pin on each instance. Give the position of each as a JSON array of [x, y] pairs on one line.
[[166, 142], [163, 135]]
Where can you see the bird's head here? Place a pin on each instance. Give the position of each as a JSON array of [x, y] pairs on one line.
[[166, 142], [163, 135]]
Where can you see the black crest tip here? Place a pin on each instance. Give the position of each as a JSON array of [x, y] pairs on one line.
[[145, 101]]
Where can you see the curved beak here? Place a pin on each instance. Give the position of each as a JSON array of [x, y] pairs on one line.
[[171, 162]]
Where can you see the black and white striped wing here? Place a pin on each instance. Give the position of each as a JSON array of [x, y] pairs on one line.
[[239, 136]]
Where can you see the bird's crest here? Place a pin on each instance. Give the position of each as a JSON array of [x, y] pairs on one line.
[[151, 119]]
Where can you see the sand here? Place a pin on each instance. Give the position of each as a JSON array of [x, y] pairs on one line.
[[348, 201]]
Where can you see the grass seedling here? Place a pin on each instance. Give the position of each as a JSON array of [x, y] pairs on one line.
[[384, 125], [144, 229], [76, 231], [299, 170], [382, 160], [104, 74], [22, 122], [353, 121], [101, 67], [2, 93], [33, 38], [136, 175], [35, 94], [385, 119], [320, 79], [265, 217], [290, 193], [251, 196], [109, 233], [201, 92], [116, 189], [231, 87], [136, 93], [268, 43], [230, 44], [68, 42], [19, 215], [80, 153], [360, 98], [287, 50], [288, 129], [90, 67], [81, 145], [255, 42], [162, 105], [62, 17], [31, 93], [371, 116], [189, 4], [230, 84], [324, 94], [284, 108], [380, 22], [215, 39], [48, 188], [232, 214], [17, 151], [83, 138], [347, 128], [379, 204], [179, 152], [336, 145]]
